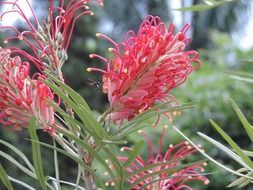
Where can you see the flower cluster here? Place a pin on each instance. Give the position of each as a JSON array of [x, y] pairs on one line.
[[20, 96], [49, 40], [145, 67], [169, 178]]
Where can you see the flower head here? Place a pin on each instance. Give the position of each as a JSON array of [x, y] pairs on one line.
[[166, 179], [145, 67], [49, 40], [21, 97]]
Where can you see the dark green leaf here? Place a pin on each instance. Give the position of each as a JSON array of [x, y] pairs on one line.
[[230, 141], [4, 178], [36, 154], [135, 152], [246, 124]]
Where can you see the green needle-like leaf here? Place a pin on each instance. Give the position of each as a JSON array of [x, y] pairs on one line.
[[226, 150], [4, 178], [83, 113], [18, 152], [36, 154], [230, 141], [209, 4], [245, 123], [135, 152]]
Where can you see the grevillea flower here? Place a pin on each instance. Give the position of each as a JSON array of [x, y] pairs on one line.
[[145, 67], [167, 179], [21, 97], [50, 39]]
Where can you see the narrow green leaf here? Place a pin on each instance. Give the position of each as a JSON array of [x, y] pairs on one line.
[[4, 178], [79, 173], [230, 141], [56, 167], [226, 150], [76, 159], [135, 152], [36, 154], [117, 167], [246, 182], [21, 183], [239, 181], [90, 149], [209, 4], [85, 115], [16, 163], [248, 153], [199, 7], [245, 123], [73, 94], [69, 183], [247, 77], [209, 157], [131, 126], [19, 153]]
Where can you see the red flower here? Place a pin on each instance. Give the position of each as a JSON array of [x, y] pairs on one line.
[[20, 96], [49, 40], [167, 180], [145, 67]]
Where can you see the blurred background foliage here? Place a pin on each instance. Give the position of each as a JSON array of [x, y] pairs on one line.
[[216, 35]]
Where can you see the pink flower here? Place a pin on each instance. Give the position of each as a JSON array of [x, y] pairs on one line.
[[20, 96], [169, 180], [50, 39], [145, 67]]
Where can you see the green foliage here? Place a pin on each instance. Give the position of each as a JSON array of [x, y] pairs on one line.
[[36, 154], [4, 178], [207, 5], [239, 155]]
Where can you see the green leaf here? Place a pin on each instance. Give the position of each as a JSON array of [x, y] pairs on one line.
[[69, 183], [90, 149], [199, 7], [36, 154], [117, 167], [19, 153], [245, 123], [225, 150], [56, 167], [230, 141], [207, 156], [21, 183], [248, 153], [209, 4], [83, 113], [134, 124], [135, 152], [240, 182], [4, 178], [16, 163], [73, 94], [76, 159], [242, 76]]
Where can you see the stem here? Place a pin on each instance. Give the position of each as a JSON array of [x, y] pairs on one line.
[[102, 118], [89, 182], [57, 176], [63, 144], [86, 176]]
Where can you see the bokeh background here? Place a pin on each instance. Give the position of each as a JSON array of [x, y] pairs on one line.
[[223, 37]]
